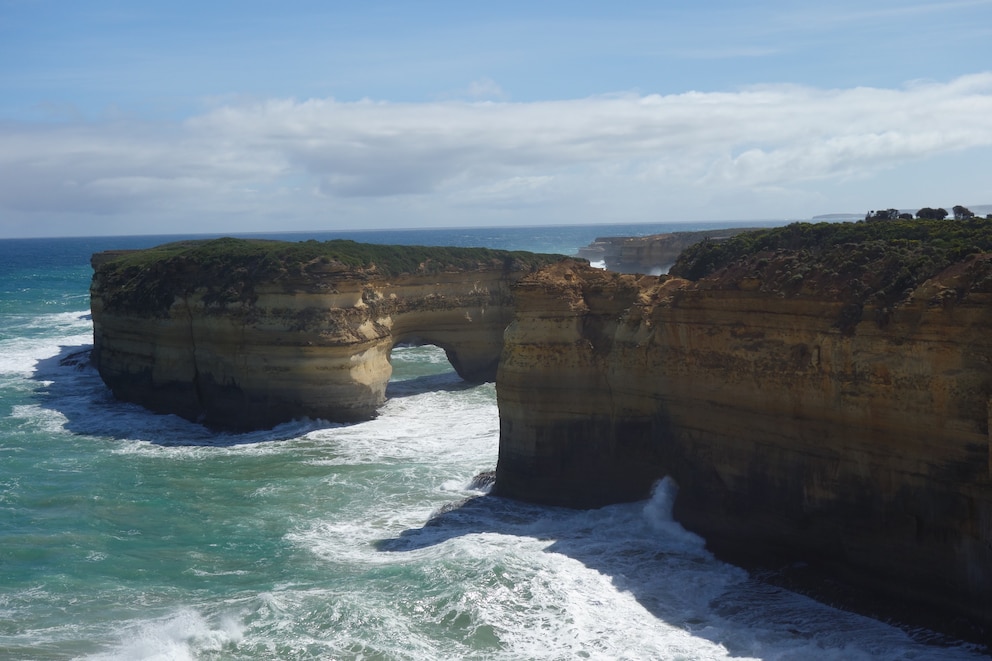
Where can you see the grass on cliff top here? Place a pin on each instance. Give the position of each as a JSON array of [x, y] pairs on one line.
[[876, 263], [148, 280], [938, 243]]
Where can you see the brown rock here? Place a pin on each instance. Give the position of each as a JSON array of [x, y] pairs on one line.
[[649, 254], [258, 351], [865, 451]]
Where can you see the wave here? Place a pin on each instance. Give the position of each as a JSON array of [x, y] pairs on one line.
[[185, 635], [358, 541], [29, 339]]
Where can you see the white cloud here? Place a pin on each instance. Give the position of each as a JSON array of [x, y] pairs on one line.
[[675, 151]]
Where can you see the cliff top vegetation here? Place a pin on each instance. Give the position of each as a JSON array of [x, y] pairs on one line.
[[870, 262], [228, 269]]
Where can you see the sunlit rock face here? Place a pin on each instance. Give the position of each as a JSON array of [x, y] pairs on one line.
[[795, 430], [310, 341]]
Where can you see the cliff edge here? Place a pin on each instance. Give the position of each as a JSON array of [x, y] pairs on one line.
[[246, 334], [652, 254], [820, 393]]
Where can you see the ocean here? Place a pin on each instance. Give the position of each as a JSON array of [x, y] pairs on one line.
[[130, 535]]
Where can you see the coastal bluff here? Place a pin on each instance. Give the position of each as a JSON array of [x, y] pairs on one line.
[[652, 254], [247, 334], [821, 394]]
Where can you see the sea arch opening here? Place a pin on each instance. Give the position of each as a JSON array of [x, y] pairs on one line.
[[472, 349], [426, 361], [419, 367]]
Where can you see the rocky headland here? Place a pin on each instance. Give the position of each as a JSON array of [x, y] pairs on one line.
[[652, 254], [820, 394], [246, 334]]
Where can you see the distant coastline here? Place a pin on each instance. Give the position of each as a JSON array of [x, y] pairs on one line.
[[833, 217]]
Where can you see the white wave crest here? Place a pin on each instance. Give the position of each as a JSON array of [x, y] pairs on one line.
[[181, 636]]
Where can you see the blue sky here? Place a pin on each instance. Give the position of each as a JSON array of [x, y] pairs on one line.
[[160, 117]]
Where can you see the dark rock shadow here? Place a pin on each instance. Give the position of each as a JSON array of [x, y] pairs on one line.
[[478, 514], [70, 385], [671, 574]]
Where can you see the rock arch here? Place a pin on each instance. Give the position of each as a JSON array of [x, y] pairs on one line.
[[315, 346]]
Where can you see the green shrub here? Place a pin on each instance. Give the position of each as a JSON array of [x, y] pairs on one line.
[[857, 263], [926, 245], [227, 269]]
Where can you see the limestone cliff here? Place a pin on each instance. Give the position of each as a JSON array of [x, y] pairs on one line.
[[649, 254], [248, 334], [830, 406]]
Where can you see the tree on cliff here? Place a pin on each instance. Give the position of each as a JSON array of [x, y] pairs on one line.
[[883, 214], [927, 213], [962, 213]]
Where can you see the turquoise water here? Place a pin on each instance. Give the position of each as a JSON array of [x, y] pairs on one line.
[[129, 535]]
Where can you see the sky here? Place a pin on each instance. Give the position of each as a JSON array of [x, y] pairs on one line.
[[123, 117]]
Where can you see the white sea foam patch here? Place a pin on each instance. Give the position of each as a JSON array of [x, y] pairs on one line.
[[181, 636], [555, 606], [39, 337], [426, 427], [56, 323], [339, 623], [505, 580], [38, 418], [191, 444], [20, 356], [658, 512], [536, 583], [352, 541]]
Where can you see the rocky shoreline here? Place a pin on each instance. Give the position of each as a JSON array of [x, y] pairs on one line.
[[821, 394]]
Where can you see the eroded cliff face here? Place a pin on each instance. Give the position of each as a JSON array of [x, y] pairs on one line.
[[258, 351], [795, 430], [651, 254]]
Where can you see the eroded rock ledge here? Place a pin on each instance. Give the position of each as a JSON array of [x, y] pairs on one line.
[[820, 394], [651, 254], [821, 397], [248, 334]]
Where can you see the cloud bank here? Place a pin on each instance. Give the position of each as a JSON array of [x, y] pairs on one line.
[[624, 156]]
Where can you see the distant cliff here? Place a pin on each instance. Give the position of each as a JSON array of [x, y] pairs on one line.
[[652, 254], [820, 393], [247, 334]]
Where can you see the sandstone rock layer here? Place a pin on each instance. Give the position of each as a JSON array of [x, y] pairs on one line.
[[311, 341], [859, 447], [649, 254]]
